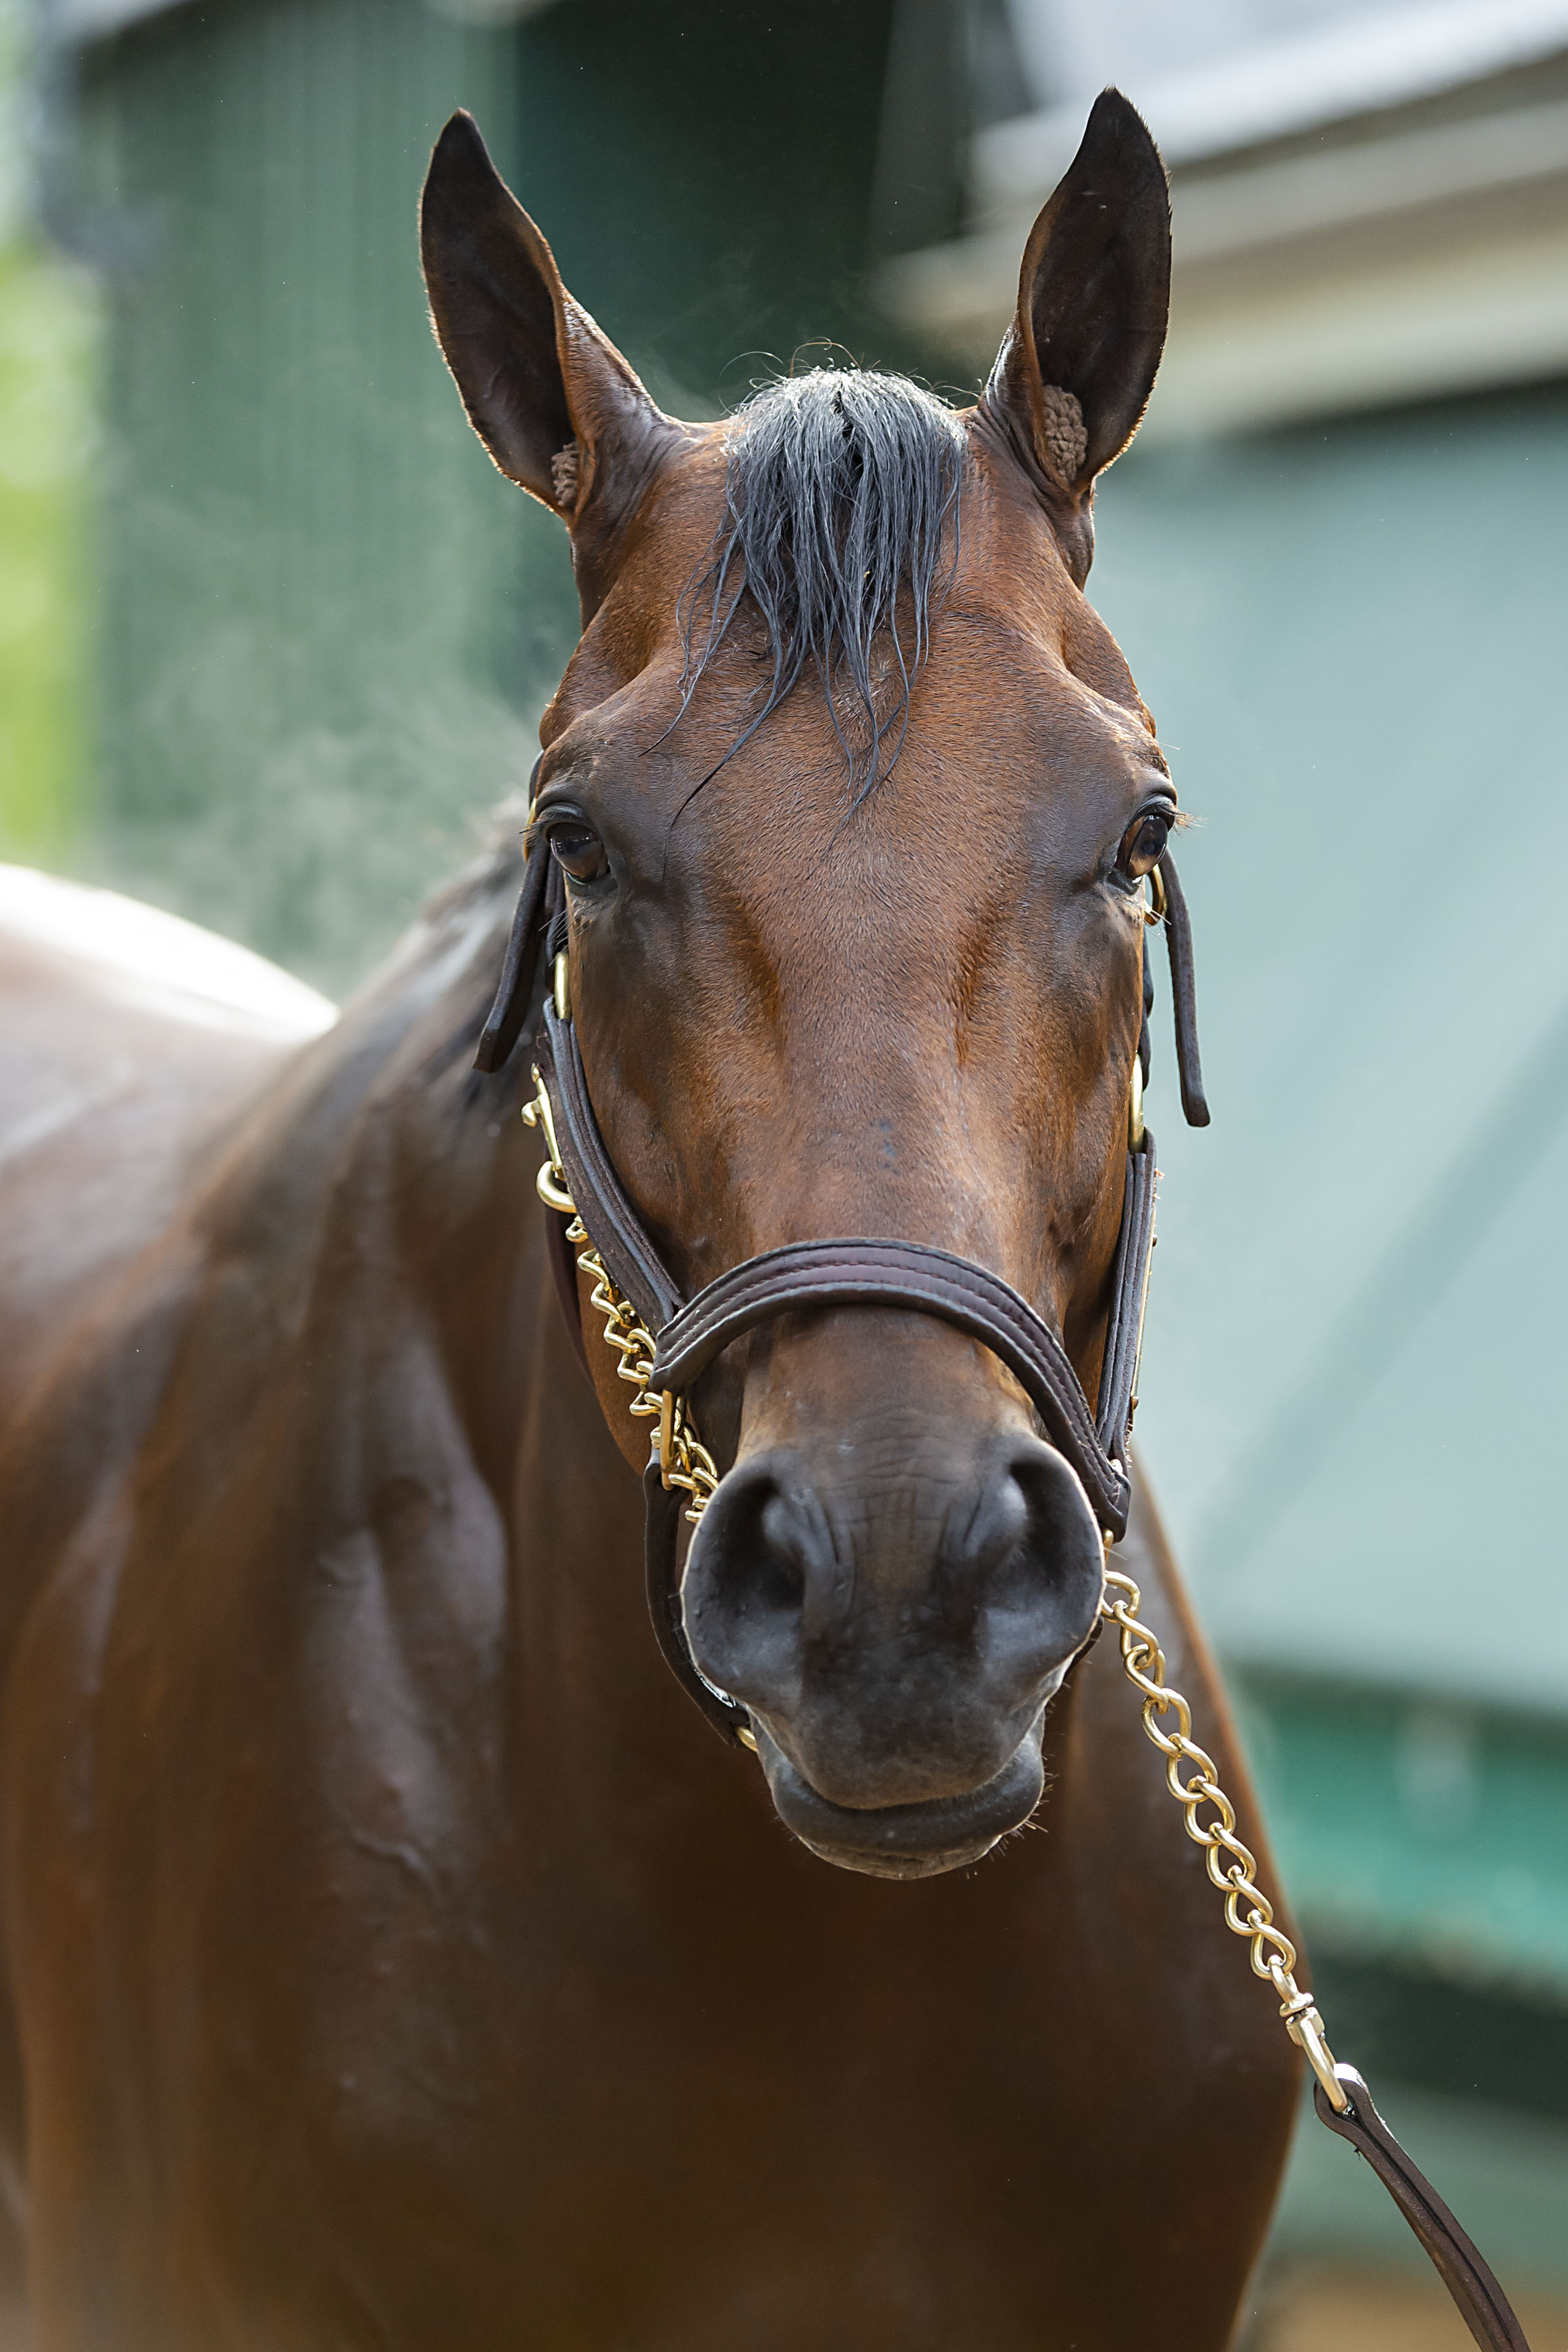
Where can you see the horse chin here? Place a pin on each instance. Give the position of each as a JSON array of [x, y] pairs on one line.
[[904, 1842]]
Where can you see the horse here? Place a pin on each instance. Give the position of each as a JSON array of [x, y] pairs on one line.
[[393, 1957]]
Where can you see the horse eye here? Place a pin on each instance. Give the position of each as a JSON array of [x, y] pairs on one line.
[[1142, 844], [579, 852]]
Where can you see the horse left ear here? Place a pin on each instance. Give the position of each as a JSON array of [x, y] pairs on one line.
[[557, 407], [1076, 367]]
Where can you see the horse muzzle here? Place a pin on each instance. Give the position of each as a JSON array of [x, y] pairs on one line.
[[896, 1637], [918, 1840]]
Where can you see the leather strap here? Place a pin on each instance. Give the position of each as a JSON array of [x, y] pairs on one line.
[[1482, 2305], [910, 1274], [1184, 995], [614, 1227], [563, 1273], [661, 1546], [1130, 1291], [504, 1022]]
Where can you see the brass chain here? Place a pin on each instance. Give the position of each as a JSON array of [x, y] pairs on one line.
[[684, 1460], [1231, 1865], [687, 1463]]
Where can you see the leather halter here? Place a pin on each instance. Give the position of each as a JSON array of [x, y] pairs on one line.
[[692, 1333], [899, 1274]]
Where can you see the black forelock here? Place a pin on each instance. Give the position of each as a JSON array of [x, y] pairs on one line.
[[840, 489]]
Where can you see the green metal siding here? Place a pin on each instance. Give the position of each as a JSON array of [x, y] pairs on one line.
[[706, 176], [327, 623], [1352, 640], [1429, 1834], [318, 652]]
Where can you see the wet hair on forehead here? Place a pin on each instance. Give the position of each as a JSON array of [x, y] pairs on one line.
[[841, 522]]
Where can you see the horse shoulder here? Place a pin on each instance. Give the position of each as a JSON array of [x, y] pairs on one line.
[[261, 1671], [129, 1042]]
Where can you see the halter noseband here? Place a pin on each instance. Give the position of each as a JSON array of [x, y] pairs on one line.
[[668, 1341]]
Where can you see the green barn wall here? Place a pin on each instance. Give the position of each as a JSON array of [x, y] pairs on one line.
[[1352, 640], [1355, 1374], [323, 611], [707, 177], [327, 625]]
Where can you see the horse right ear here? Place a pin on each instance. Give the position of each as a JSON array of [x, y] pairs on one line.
[[1076, 367], [555, 404]]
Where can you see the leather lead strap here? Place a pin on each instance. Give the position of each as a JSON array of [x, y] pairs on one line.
[[1481, 2303]]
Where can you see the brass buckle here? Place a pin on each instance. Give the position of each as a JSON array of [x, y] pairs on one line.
[[550, 1181], [1305, 2028]]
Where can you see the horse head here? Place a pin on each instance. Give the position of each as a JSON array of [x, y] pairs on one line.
[[854, 798]]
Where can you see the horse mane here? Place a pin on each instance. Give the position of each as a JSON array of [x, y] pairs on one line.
[[839, 486]]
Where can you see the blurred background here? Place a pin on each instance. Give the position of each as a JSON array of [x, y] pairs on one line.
[[273, 637]]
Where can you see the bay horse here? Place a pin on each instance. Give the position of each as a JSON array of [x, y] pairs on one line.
[[393, 1959]]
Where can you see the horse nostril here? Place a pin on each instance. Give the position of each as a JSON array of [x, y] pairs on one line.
[[997, 1532], [744, 1592], [1002, 1597], [1040, 1560], [777, 1569]]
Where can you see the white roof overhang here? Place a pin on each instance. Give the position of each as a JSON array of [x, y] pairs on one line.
[[1375, 210], [1330, 74]]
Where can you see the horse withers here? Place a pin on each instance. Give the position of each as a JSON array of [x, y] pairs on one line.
[[394, 1957]]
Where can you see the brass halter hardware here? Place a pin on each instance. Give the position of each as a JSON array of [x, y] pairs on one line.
[[1231, 1865]]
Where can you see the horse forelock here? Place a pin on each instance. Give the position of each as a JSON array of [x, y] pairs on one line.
[[841, 522]]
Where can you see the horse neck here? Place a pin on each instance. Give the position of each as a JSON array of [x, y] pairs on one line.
[[445, 1426], [380, 1199]]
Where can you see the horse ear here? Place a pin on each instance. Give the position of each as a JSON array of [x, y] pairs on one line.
[[555, 404], [1076, 367]]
